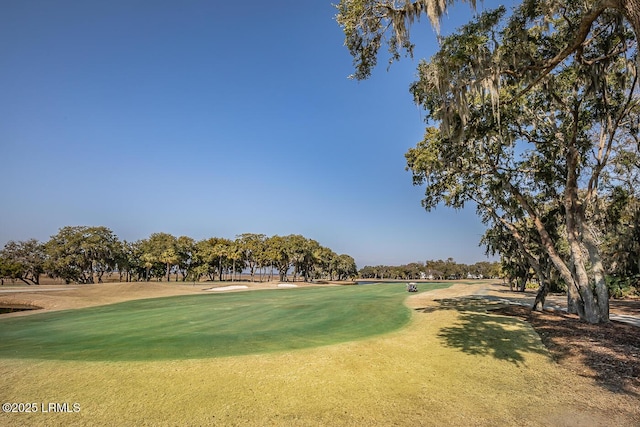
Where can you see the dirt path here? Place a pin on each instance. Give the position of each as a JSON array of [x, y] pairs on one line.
[[627, 311], [455, 291]]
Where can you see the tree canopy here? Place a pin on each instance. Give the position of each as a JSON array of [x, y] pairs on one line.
[[432, 270], [370, 24], [84, 254], [536, 112]]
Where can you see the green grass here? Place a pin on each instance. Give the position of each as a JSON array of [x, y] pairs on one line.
[[211, 325], [455, 363]]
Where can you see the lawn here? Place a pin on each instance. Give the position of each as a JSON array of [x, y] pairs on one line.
[[423, 362], [210, 325]]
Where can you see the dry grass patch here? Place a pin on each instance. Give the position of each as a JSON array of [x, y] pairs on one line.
[[424, 374]]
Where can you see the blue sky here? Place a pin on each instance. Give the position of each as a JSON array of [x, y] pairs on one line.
[[207, 118]]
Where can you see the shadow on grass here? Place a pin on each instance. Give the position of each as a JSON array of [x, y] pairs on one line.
[[479, 332], [607, 353]]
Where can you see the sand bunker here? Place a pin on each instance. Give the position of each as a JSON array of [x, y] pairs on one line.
[[228, 288], [286, 285]]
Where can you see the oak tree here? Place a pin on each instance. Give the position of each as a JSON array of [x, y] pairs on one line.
[[530, 109]]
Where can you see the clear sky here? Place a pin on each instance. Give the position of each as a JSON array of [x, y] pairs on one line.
[[211, 118]]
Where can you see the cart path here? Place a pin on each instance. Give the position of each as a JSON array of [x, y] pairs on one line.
[[619, 310]]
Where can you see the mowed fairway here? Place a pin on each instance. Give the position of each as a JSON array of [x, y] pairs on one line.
[[205, 326], [436, 364]]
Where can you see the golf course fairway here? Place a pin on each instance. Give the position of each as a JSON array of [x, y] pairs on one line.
[[450, 361], [210, 325]]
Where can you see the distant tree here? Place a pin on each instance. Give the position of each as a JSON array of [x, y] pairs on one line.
[[212, 257], [298, 253], [236, 257], [346, 267], [302, 257], [264, 261], [77, 254], [160, 249], [431, 269], [128, 262], [278, 251], [9, 270], [485, 269], [251, 246], [204, 262], [84, 254], [311, 262], [185, 251], [326, 262], [447, 269], [23, 260]]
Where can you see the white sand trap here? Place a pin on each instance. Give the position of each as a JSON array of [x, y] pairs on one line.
[[286, 285], [228, 288]]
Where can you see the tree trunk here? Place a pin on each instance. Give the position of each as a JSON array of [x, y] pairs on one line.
[[602, 292], [543, 289], [547, 244], [541, 295], [586, 306]]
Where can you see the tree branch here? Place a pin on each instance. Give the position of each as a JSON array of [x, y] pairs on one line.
[[580, 36]]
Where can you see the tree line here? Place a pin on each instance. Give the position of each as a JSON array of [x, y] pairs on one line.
[[84, 254], [433, 270]]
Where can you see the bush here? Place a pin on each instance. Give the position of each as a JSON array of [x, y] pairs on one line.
[[621, 287], [557, 287]]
